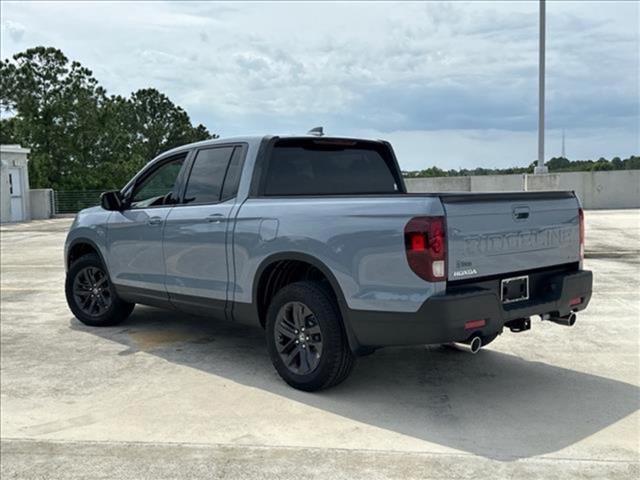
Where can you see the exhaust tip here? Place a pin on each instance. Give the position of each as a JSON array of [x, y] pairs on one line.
[[475, 345], [567, 320]]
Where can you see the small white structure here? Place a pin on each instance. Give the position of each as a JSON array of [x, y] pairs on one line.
[[14, 184]]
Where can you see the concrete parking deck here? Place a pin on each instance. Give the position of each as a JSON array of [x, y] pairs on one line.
[[166, 395]]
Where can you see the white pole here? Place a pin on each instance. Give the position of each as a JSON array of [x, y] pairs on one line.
[[540, 168]]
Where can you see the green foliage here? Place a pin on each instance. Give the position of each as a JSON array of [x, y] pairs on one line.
[[81, 138], [8, 131], [556, 164], [560, 164]]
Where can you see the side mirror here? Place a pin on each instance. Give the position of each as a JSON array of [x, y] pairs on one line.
[[112, 200]]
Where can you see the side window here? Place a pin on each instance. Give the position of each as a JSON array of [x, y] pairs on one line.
[[158, 188], [207, 175], [232, 180]]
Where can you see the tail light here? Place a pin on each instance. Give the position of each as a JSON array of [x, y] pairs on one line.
[[581, 220], [426, 247]]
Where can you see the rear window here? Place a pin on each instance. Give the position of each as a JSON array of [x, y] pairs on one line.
[[325, 167]]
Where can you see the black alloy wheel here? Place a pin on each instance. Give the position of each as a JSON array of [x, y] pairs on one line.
[[91, 295], [306, 338], [298, 338], [92, 291]]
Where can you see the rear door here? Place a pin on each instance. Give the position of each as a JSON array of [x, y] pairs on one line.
[[491, 234], [195, 235]]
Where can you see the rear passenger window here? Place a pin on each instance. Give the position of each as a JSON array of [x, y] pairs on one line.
[[207, 175], [232, 180]]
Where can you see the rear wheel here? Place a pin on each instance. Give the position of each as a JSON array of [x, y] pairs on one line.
[[91, 295], [305, 338]]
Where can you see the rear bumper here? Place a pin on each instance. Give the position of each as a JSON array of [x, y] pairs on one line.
[[442, 318]]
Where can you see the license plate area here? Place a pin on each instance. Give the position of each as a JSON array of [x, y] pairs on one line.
[[515, 289]]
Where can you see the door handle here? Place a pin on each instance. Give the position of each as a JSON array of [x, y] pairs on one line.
[[520, 213], [153, 221], [215, 218]]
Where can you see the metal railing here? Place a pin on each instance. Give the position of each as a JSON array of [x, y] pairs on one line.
[[72, 201], [67, 201]]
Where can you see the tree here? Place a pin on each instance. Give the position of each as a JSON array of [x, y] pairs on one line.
[[632, 163], [80, 138], [55, 105], [601, 165], [617, 163], [161, 125], [8, 131], [557, 163], [431, 172]]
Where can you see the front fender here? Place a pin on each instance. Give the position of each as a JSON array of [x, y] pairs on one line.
[[90, 227]]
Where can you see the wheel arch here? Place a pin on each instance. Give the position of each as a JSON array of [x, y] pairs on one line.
[[79, 247], [264, 274]]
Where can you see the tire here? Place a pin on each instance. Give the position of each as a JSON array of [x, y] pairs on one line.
[[91, 296], [317, 357]]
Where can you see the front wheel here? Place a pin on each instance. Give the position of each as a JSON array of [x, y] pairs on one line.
[[305, 337], [91, 295]]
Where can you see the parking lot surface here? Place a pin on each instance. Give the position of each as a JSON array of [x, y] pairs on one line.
[[166, 395]]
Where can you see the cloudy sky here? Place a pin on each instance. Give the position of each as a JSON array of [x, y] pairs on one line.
[[451, 84]]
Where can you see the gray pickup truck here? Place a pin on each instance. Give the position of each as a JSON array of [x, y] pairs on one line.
[[316, 239]]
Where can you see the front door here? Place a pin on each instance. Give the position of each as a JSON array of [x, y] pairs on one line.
[[15, 190], [195, 236], [136, 261]]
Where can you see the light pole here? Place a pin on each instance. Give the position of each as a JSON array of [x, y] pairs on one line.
[[540, 167]]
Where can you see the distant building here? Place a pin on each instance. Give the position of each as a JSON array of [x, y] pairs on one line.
[[14, 184]]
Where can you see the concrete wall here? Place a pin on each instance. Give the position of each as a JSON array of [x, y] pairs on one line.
[[492, 183], [41, 203], [596, 190], [481, 183], [619, 189], [439, 184], [542, 181]]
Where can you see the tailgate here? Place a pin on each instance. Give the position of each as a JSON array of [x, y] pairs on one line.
[[497, 233]]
